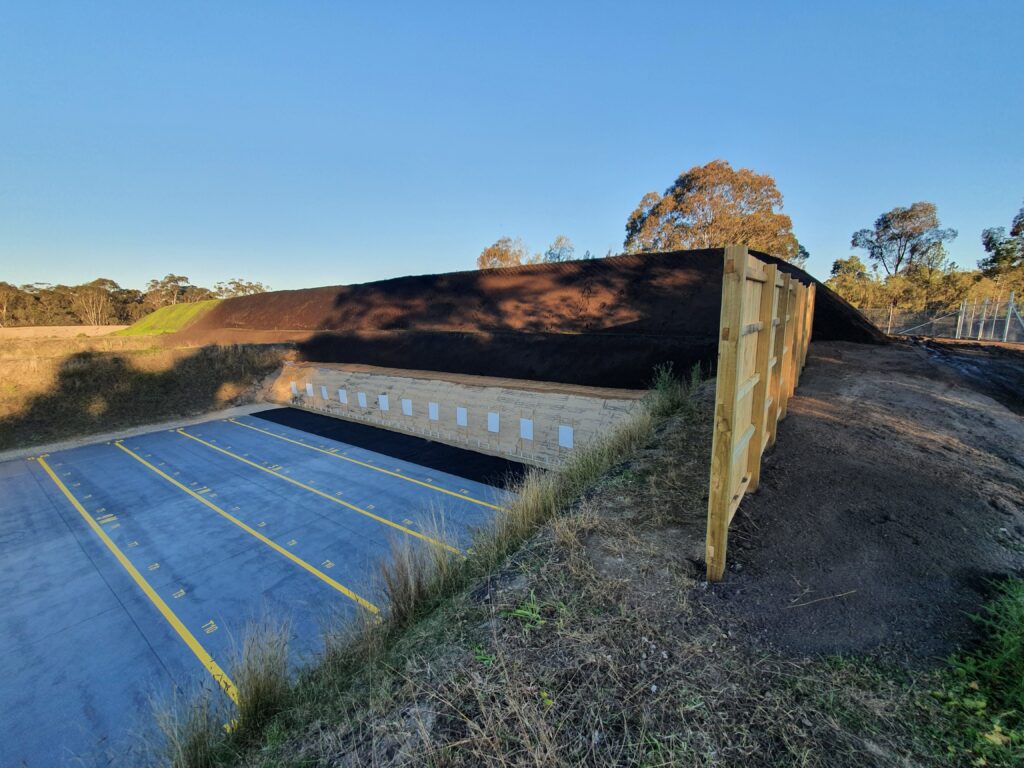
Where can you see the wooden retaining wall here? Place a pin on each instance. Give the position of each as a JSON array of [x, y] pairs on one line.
[[764, 329]]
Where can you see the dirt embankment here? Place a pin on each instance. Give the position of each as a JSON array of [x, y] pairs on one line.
[[894, 496], [603, 322]]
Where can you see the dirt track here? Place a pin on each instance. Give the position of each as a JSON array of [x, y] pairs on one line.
[[893, 498]]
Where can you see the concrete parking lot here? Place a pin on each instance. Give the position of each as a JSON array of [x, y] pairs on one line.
[[133, 567]]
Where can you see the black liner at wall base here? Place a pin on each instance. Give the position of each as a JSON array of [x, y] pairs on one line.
[[479, 467]]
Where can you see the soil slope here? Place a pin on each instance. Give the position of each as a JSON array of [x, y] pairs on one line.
[[613, 318], [894, 496]]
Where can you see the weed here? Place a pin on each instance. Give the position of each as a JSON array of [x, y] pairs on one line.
[[984, 690], [528, 613]]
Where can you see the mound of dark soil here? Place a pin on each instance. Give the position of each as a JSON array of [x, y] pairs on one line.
[[892, 500], [602, 322]]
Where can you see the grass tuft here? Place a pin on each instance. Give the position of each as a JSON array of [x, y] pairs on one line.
[[192, 733], [984, 691], [261, 680]]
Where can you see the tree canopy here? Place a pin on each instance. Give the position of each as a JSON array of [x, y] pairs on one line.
[[902, 237], [561, 249], [1005, 253], [103, 301], [505, 252], [711, 206]]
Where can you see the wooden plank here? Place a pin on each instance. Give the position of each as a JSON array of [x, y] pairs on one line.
[[765, 342], [720, 494], [776, 386]]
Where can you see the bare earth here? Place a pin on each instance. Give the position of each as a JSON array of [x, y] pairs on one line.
[[58, 331], [893, 499]]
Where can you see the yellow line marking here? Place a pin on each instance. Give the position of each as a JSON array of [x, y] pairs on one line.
[[336, 500], [272, 544], [462, 496], [205, 658]]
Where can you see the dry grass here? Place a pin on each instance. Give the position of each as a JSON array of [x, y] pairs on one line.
[[57, 393]]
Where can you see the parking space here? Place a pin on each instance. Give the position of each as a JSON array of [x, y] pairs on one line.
[[135, 566]]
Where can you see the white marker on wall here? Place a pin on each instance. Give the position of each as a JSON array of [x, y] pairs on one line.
[[382, 401], [323, 393], [295, 389], [461, 417], [309, 388], [432, 411], [343, 397], [526, 429], [406, 407], [361, 397], [564, 436], [492, 421]]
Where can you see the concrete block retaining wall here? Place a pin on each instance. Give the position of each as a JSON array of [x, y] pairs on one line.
[[537, 423]]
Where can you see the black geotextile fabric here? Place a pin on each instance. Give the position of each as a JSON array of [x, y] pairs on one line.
[[460, 462]]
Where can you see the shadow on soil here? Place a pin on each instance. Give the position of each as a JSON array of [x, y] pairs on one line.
[[95, 391]]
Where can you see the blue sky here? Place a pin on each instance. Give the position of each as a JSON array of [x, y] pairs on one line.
[[302, 143]]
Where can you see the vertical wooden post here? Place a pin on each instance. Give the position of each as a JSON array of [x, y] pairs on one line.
[[760, 400], [787, 357], [808, 323], [730, 330], [798, 334], [1009, 314], [777, 387], [984, 318]]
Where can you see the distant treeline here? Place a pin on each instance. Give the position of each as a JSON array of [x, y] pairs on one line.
[[104, 302]]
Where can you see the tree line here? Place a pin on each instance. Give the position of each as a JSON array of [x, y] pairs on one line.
[[104, 302], [909, 268], [707, 206], [907, 265]]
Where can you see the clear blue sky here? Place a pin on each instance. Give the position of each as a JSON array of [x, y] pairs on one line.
[[304, 143]]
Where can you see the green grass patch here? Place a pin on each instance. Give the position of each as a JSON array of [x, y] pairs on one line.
[[984, 691], [169, 319]]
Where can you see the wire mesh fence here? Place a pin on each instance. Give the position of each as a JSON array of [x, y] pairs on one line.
[[979, 319]]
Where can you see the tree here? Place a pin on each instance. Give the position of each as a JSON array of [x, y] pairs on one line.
[[505, 252], [239, 287], [9, 298], [92, 304], [802, 255], [851, 280], [167, 291], [902, 236], [561, 249], [1005, 253], [711, 206]]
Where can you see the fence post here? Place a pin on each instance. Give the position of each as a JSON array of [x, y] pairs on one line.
[[984, 317], [808, 323], [1009, 314], [777, 386], [960, 318], [762, 365], [798, 335], [787, 357], [730, 325]]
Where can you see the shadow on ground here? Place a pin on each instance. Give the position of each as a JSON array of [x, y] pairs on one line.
[[97, 391]]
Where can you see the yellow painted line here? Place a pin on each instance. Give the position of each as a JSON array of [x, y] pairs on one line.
[[256, 534], [205, 658], [400, 476], [335, 499]]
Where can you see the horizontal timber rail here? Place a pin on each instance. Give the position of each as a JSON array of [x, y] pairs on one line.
[[764, 331]]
